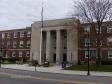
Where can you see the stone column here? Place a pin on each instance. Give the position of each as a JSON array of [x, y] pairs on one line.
[[48, 43], [58, 46]]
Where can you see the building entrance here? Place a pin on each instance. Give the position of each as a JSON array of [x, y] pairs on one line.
[[64, 59], [54, 58]]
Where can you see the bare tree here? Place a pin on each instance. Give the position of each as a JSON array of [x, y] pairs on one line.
[[94, 11]]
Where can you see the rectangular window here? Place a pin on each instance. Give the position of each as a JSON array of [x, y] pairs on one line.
[[92, 54], [3, 35], [14, 44], [8, 44], [8, 35], [87, 41], [87, 29], [13, 54], [28, 43], [21, 44], [98, 30], [109, 29], [27, 54], [86, 54], [22, 34], [15, 34], [110, 54], [28, 34], [109, 40], [20, 54]]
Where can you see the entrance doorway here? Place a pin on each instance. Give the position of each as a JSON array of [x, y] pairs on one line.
[[64, 59], [54, 58]]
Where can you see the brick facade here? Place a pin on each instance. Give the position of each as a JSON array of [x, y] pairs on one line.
[[10, 43], [105, 45]]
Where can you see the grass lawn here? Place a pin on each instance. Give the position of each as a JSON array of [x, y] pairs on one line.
[[104, 68]]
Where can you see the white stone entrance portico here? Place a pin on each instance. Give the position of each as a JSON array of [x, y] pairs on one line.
[[59, 41]]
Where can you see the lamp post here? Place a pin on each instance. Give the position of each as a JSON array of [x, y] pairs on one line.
[[0, 56], [88, 72]]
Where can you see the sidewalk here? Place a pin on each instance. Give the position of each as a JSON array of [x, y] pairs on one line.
[[55, 69]]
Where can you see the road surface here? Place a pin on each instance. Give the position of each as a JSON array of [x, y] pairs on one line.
[[10, 76]]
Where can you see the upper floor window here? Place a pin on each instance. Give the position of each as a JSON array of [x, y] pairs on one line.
[[110, 54], [20, 53], [22, 34], [109, 40], [87, 29], [28, 34], [109, 29], [98, 29], [3, 35], [87, 41], [8, 35], [28, 54], [8, 44], [21, 43], [14, 44], [13, 54], [15, 34], [28, 43]]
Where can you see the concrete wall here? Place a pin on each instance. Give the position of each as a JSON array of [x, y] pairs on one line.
[[72, 45], [51, 25], [35, 41]]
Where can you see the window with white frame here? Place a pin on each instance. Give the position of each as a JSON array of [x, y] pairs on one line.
[[14, 44], [8, 35], [22, 34], [87, 41], [98, 29], [8, 44], [109, 29], [20, 53], [21, 44], [3, 35], [109, 40], [87, 29], [15, 34], [28, 54], [86, 54], [92, 54], [28, 43], [29, 34], [109, 54], [13, 54]]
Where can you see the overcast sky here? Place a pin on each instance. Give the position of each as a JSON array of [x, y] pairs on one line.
[[22, 13]]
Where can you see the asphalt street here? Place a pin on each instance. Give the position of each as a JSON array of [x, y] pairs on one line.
[[10, 76]]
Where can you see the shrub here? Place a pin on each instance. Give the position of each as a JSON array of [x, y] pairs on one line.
[[9, 60], [106, 62], [33, 62], [46, 64]]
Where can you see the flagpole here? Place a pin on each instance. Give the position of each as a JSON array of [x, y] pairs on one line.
[[41, 34]]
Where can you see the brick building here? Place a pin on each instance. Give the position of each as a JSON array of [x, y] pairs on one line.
[[59, 40], [105, 42], [15, 44]]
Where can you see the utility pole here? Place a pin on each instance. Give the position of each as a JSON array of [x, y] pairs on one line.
[[41, 33], [0, 56], [88, 73]]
